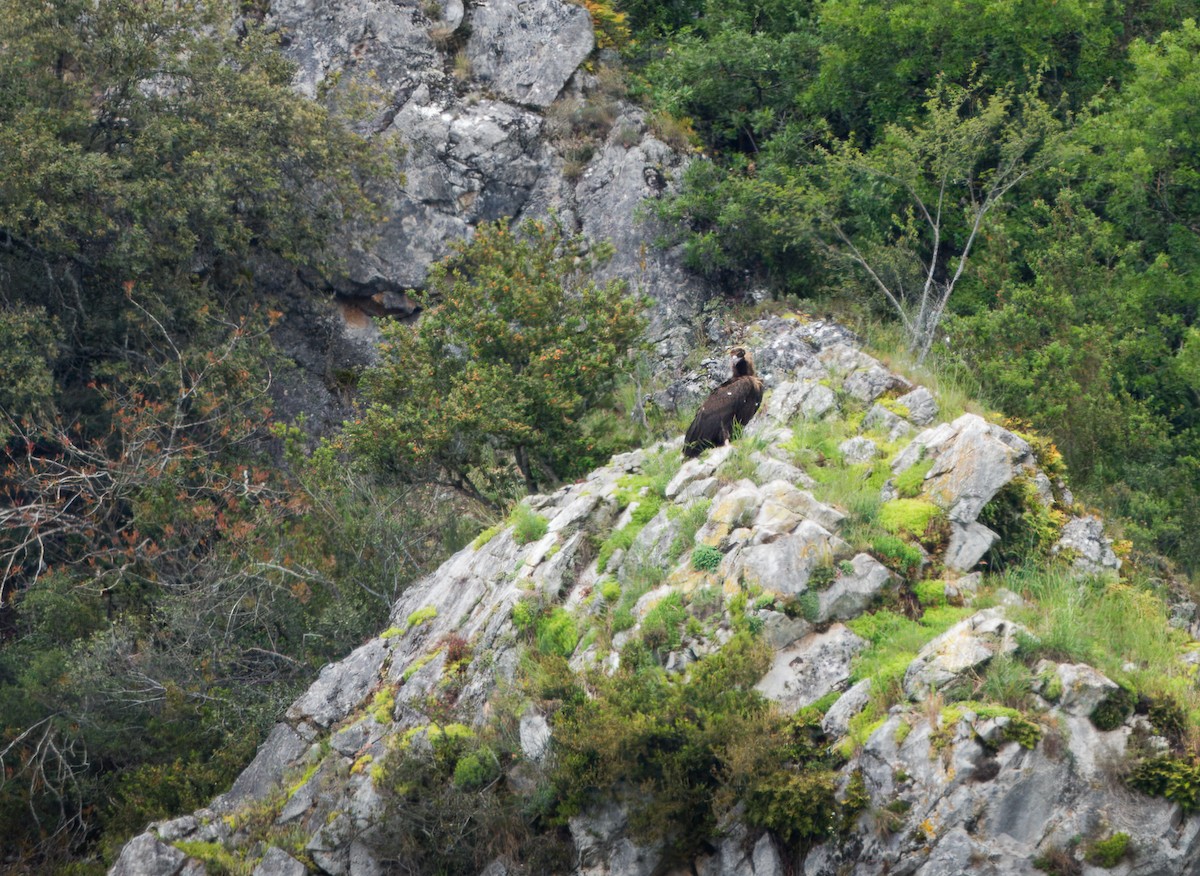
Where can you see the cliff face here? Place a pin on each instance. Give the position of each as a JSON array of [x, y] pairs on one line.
[[498, 116], [854, 509]]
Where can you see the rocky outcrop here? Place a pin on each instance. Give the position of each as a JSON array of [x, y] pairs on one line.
[[693, 554]]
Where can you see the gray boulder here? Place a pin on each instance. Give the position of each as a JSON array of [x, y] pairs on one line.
[[807, 670]]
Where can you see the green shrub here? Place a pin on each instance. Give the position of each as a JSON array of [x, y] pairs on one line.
[[1114, 709], [1175, 779], [1108, 852], [660, 626], [557, 633], [809, 605], [822, 576], [610, 589], [798, 807], [524, 613], [690, 519], [706, 558], [527, 526], [477, 768]]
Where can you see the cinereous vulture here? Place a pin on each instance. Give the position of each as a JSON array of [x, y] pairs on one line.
[[734, 401]]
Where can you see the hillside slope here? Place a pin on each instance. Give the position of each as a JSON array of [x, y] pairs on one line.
[[780, 657]]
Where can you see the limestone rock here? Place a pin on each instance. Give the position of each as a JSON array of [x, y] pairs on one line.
[[967, 645], [858, 450], [884, 420], [967, 545], [341, 686], [836, 722], [1083, 688], [527, 51], [922, 406], [145, 855], [277, 862], [784, 564], [807, 670], [854, 590], [1083, 539]]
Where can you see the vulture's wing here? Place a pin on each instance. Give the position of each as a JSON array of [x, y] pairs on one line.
[[748, 396]]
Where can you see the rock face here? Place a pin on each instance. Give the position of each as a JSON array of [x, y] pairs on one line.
[[749, 539], [489, 103]]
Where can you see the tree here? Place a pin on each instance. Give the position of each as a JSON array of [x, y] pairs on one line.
[[908, 212], [515, 344]]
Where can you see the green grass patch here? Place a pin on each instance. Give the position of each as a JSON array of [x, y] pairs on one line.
[[930, 592], [527, 525], [487, 535], [911, 516], [689, 519], [911, 481]]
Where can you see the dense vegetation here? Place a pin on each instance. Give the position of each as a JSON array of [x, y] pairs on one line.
[[1037, 162]]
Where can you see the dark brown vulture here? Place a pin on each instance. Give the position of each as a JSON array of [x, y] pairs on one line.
[[734, 401]]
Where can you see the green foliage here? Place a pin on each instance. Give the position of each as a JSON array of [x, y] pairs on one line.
[[527, 525], [691, 749], [556, 633], [689, 520], [515, 343], [910, 481], [808, 604], [1114, 709], [477, 768], [908, 516], [898, 555], [524, 614], [487, 535], [660, 626], [706, 558], [1108, 852], [610, 589], [420, 616], [1173, 778], [930, 592], [798, 807], [1027, 527]]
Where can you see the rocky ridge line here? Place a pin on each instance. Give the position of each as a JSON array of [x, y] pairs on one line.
[[952, 789]]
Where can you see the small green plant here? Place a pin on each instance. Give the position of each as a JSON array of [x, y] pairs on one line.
[[898, 555], [706, 558], [809, 605], [420, 616], [476, 769], [1108, 852], [487, 535], [383, 704], [609, 589], [524, 613], [911, 516], [557, 633], [1114, 709], [930, 592], [910, 481], [660, 626], [526, 524], [690, 519], [822, 576]]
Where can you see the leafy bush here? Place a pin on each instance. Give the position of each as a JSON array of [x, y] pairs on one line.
[[516, 342], [557, 633], [1173, 778], [1114, 709], [1108, 852], [706, 558]]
